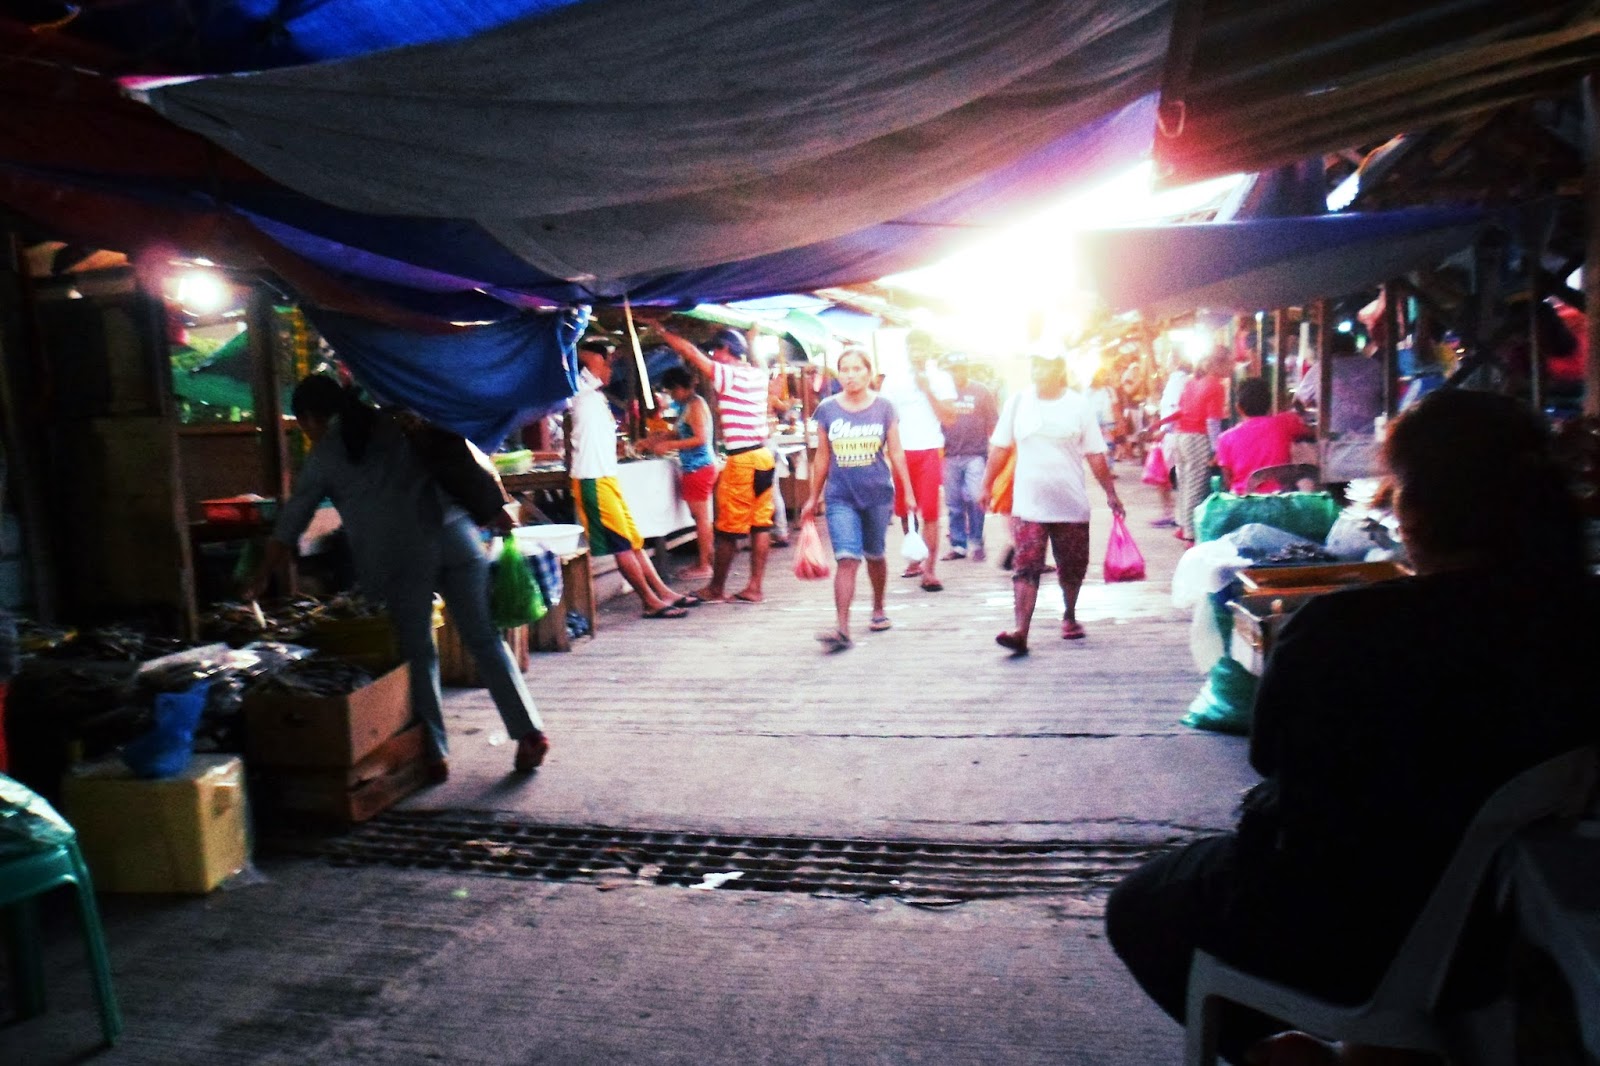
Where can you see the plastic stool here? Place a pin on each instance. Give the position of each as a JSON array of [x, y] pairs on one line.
[[22, 880]]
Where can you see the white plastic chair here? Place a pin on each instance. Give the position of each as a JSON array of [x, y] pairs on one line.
[[1401, 1012]]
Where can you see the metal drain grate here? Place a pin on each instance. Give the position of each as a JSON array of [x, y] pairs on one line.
[[913, 869]]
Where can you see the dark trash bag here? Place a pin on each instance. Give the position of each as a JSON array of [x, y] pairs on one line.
[[1305, 514], [515, 599], [1226, 702], [165, 750]]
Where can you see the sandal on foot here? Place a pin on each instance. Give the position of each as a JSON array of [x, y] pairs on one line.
[[1013, 641], [832, 640], [670, 610], [932, 586], [1071, 630], [879, 623], [531, 750], [914, 570], [688, 599]]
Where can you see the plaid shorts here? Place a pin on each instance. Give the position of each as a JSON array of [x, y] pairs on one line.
[[546, 567]]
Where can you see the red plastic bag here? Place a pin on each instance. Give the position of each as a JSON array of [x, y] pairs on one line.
[[810, 561], [1123, 560], [1155, 466]]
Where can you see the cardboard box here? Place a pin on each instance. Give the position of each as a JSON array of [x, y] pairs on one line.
[[177, 834], [327, 731], [352, 794]]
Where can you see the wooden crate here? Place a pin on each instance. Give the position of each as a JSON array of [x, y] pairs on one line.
[[456, 666], [348, 795], [577, 594]]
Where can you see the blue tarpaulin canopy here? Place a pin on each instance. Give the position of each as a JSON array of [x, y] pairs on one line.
[[424, 160], [1268, 262]]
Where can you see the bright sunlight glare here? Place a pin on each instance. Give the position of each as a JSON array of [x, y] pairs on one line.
[[1027, 278]]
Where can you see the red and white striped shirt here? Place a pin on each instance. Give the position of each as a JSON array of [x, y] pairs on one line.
[[742, 402]]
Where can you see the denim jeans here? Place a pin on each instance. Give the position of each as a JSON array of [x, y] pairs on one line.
[[858, 532], [963, 496], [463, 577]]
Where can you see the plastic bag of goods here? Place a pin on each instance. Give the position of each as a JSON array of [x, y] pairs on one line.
[[810, 560]]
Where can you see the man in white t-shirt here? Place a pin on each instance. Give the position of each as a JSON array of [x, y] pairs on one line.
[[1052, 431], [596, 495], [921, 399]]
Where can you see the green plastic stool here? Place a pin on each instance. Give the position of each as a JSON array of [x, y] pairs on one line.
[[22, 880]]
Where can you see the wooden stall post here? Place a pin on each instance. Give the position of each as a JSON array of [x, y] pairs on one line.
[[1324, 375], [266, 384], [1591, 258], [1532, 259], [21, 425], [1280, 377], [1391, 344]]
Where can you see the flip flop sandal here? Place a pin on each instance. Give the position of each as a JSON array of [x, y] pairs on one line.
[[688, 599], [932, 586], [879, 623], [834, 641], [671, 610], [1072, 631], [1015, 643], [914, 570]]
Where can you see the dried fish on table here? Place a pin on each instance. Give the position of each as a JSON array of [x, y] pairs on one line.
[[316, 677]]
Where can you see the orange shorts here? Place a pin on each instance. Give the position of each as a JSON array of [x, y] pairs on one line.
[[744, 493]]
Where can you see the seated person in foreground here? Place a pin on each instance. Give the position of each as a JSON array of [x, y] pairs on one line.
[[1386, 717], [1260, 439]]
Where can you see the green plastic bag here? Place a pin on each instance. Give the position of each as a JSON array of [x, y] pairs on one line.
[[1226, 702], [515, 599], [1305, 514]]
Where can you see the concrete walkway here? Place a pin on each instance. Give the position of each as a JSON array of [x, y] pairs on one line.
[[729, 721]]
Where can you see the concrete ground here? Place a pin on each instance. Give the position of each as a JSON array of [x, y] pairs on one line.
[[728, 721]]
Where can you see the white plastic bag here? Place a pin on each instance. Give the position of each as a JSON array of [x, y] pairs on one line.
[[913, 549]]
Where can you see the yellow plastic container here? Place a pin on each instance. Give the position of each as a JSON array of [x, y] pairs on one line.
[[176, 834]]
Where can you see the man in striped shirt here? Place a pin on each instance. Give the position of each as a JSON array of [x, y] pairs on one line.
[[744, 498]]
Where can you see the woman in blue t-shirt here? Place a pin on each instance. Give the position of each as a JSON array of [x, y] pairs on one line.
[[858, 439]]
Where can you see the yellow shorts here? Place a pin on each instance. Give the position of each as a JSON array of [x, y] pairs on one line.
[[744, 493], [605, 516]]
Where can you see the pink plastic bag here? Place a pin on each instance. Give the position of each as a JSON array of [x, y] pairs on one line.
[[1155, 466], [1123, 560], [810, 561]]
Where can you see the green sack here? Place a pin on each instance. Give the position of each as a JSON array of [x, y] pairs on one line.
[[515, 599], [1305, 514], [1226, 702]]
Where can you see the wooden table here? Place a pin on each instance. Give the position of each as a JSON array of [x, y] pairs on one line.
[[577, 594]]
